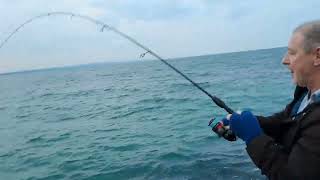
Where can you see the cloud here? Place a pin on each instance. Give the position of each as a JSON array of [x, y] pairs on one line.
[[173, 28]]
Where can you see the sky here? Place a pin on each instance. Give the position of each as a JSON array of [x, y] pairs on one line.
[[171, 28]]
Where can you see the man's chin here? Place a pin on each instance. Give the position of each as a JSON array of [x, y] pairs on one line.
[[298, 83], [295, 82]]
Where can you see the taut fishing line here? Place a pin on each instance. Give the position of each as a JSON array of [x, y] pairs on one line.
[[104, 26]]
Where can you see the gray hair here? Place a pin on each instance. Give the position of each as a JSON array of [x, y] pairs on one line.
[[311, 33]]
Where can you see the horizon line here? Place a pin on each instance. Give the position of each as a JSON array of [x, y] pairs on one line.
[[127, 60]]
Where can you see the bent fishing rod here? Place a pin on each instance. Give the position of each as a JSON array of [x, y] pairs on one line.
[[104, 26]]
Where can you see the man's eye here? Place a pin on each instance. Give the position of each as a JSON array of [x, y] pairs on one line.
[[291, 53]]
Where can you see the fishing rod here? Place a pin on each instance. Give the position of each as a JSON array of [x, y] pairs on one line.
[[104, 26]]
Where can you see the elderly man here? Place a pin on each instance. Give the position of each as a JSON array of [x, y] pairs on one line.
[[286, 145]]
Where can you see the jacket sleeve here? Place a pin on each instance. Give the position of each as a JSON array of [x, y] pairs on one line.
[[271, 125], [302, 162]]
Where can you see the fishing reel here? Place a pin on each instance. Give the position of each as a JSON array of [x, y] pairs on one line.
[[222, 131]]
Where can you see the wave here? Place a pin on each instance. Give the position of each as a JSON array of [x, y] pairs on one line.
[[104, 75], [44, 140], [174, 156], [48, 95], [105, 130], [188, 85], [36, 139], [3, 108], [128, 147], [67, 118], [134, 111], [164, 100], [22, 116]]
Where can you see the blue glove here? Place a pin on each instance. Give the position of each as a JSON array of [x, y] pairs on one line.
[[245, 126], [226, 121]]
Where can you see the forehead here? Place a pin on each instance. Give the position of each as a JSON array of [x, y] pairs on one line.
[[296, 41]]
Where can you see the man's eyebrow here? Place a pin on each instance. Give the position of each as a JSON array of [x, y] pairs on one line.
[[289, 49]]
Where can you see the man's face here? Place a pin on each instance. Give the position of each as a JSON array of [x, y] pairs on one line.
[[298, 61]]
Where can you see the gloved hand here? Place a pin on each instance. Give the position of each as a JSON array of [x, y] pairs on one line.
[[245, 126]]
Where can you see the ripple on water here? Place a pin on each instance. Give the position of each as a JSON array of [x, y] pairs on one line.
[[128, 147], [43, 139]]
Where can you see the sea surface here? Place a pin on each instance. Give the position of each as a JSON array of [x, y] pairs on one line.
[[135, 120]]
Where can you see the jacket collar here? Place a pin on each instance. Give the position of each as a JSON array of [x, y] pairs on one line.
[[299, 91]]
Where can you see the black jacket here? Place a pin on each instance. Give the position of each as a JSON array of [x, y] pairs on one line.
[[290, 145]]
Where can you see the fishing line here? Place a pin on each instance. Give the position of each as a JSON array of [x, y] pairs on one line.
[[104, 26]]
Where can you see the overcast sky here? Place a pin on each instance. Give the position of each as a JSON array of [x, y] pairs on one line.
[[172, 28]]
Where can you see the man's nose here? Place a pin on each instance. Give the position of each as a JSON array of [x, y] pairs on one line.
[[285, 59]]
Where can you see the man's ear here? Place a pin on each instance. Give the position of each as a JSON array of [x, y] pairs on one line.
[[316, 61]]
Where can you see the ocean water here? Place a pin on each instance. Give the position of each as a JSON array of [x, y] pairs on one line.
[[135, 120]]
